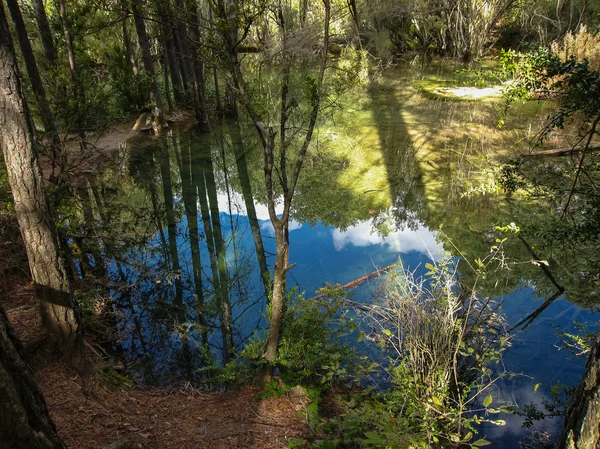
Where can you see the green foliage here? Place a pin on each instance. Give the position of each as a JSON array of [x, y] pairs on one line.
[[312, 349], [353, 69], [555, 406]]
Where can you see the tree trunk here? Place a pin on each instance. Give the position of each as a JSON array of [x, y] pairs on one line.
[[277, 300], [127, 44], [34, 75], [582, 429], [45, 31], [242, 168], [24, 419], [60, 313], [77, 86], [165, 65], [147, 58], [197, 64], [190, 200]]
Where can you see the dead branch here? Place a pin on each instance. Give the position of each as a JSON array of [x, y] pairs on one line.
[[358, 281], [559, 152]]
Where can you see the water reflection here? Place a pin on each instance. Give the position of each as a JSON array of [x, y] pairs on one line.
[[181, 228]]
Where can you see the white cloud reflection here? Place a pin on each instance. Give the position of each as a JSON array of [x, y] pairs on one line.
[[421, 240]]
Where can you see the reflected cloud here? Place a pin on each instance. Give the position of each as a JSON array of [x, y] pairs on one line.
[[267, 226], [421, 240], [239, 206]]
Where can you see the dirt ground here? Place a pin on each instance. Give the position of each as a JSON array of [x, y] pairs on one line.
[[90, 412]]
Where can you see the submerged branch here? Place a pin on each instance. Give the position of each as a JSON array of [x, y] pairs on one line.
[[358, 281]]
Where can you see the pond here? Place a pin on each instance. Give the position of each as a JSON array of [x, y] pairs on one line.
[[394, 174]]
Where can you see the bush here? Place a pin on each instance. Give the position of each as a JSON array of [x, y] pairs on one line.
[[312, 349]]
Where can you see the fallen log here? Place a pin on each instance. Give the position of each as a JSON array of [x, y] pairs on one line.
[[358, 281], [559, 152]]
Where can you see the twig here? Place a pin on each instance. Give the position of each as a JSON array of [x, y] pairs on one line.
[[542, 265]]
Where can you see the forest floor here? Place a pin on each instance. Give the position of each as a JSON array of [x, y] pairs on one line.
[[92, 412]]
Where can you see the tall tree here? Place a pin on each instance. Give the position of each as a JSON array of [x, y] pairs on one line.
[[24, 419], [197, 63], [60, 313], [45, 32], [34, 75], [147, 59], [127, 44], [287, 169]]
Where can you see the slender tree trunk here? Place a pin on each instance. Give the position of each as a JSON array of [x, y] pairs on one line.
[[197, 64], [128, 50], [181, 33], [277, 300], [582, 429], [354, 13], [165, 170], [60, 313], [174, 70], [147, 58], [218, 106], [303, 12], [25, 422], [165, 65], [45, 31], [242, 168], [227, 321], [77, 85], [34, 76], [190, 200]]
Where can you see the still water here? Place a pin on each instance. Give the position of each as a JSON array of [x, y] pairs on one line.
[[392, 176]]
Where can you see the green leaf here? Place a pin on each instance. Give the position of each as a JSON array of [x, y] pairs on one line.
[[488, 400], [361, 336], [437, 401], [482, 442], [296, 442], [387, 332], [536, 386]]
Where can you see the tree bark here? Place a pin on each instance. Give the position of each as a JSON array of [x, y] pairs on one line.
[[242, 168], [127, 44], [45, 31], [224, 305], [24, 419], [77, 86], [190, 200], [582, 422], [34, 74], [147, 58], [197, 64], [60, 313]]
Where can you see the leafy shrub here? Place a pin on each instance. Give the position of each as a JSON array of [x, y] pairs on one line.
[[312, 350]]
